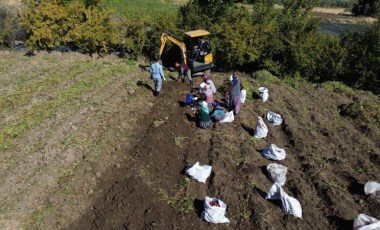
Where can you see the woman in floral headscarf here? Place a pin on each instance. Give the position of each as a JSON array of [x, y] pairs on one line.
[[205, 120]]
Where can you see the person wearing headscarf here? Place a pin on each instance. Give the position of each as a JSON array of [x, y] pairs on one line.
[[207, 92], [217, 113], [204, 120], [206, 79], [234, 93]]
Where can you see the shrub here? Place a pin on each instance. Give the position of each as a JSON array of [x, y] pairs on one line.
[[52, 23]]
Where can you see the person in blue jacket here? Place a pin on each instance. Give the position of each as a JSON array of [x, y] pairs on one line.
[[157, 75]]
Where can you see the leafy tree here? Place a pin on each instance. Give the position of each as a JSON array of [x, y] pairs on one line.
[[362, 68], [366, 7]]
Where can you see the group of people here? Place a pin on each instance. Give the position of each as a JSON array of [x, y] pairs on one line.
[[210, 109]]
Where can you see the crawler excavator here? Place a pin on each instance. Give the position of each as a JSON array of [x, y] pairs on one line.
[[198, 60]]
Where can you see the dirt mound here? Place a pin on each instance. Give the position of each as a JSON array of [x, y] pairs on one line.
[[329, 159]]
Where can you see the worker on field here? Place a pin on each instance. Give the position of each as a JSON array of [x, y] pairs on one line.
[[184, 71], [157, 75], [206, 91], [206, 79], [204, 116], [217, 113], [234, 94]]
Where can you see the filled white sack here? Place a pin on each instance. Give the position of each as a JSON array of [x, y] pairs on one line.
[[274, 118], [243, 95], [228, 117], [365, 222], [372, 188], [263, 93], [199, 173], [214, 214], [274, 153], [277, 173], [261, 130], [288, 204]]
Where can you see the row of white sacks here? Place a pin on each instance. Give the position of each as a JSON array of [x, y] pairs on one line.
[[215, 209]]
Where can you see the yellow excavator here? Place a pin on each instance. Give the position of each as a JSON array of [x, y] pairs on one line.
[[195, 50]]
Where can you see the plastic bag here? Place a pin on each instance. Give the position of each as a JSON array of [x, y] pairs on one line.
[[243, 95], [214, 211], [228, 117], [365, 222], [372, 188], [288, 204], [199, 173], [277, 173], [274, 118], [274, 153], [261, 130], [263, 93]]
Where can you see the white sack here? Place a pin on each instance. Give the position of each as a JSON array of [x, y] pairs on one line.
[[199, 173], [274, 153], [228, 117], [277, 173], [274, 118], [263, 93], [214, 214], [243, 95], [288, 204], [261, 130], [365, 222], [372, 188]]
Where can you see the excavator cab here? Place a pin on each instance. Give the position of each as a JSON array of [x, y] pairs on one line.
[[195, 50]]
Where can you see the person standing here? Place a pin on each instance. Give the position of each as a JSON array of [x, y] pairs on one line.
[[157, 75], [234, 93], [184, 71], [206, 79]]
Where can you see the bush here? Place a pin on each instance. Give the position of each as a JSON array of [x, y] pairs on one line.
[[53, 23]]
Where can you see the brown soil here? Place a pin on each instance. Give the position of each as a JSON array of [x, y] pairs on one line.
[[329, 159]]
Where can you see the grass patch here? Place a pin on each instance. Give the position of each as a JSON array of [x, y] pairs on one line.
[[179, 141], [40, 112], [365, 111], [338, 87], [141, 8], [182, 201], [264, 76]]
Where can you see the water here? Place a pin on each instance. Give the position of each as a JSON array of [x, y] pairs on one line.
[[339, 29]]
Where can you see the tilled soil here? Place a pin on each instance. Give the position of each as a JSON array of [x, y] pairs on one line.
[[329, 159]]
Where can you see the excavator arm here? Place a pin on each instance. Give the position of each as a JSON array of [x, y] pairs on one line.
[[165, 37]]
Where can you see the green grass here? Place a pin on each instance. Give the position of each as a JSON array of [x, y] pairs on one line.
[[141, 8], [40, 112]]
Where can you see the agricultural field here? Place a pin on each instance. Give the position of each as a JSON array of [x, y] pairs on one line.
[[85, 145]]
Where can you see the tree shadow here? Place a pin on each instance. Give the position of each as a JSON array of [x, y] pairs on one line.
[[340, 223], [198, 207], [249, 130]]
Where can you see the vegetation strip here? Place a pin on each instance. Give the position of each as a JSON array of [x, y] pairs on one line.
[[39, 113]]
